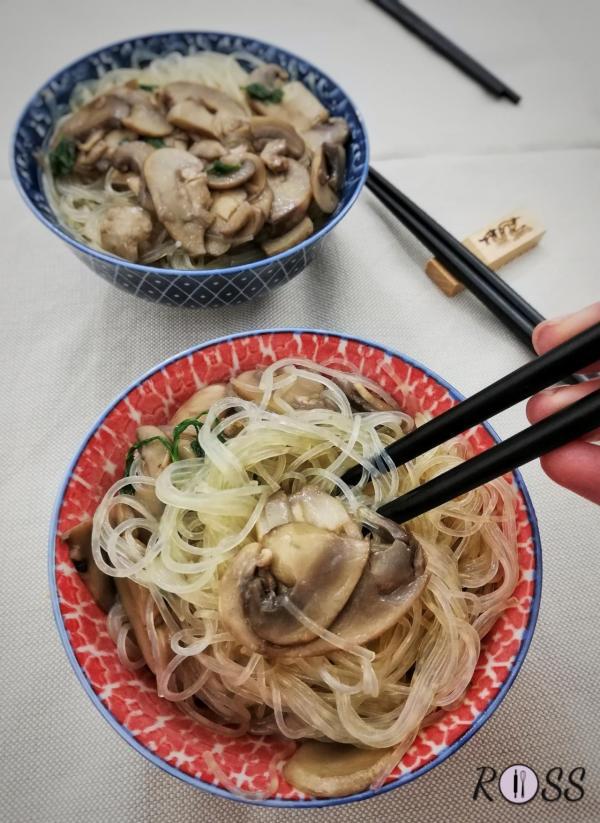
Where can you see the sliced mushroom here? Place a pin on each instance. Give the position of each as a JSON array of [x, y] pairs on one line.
[[303, 394], [334, 769], [335, 155], [291, 193], [199, 402], [124, 230], [323, 193], [177, 184], [299, 106], [230, 213], [393, 579], [134, 599], [246, 385], [178, 139], [131, 93], [276, 512], [241, 172], [155, 458], [100, 585], [195, 117], [208, 149], [262, 204], [335, 130], [270, 75], [226, 113], [361, 398], [285, 241], [309, 505], [147, 120], [265, 129], [91, 141], [315, 569], [273, 157], [104, 112], [132, 155]]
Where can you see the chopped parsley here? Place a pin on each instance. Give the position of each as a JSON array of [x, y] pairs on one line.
[[157, 142], [260, 92], [147, 86], [221, 169], [62, 157]]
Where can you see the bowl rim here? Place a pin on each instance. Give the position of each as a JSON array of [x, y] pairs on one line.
[[211, 787], [83, 248]]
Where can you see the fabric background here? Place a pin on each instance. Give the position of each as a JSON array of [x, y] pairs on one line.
[[69, 343]]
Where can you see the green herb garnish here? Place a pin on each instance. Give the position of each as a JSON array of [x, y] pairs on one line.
[[147, 86], [179, 430], [62, 157], [221, 168], [260, 92], [172, 447], [157, 142]]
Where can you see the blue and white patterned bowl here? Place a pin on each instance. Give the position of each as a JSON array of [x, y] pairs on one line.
[[209, 287]]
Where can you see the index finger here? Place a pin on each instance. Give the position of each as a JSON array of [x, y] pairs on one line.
[[552, 333]]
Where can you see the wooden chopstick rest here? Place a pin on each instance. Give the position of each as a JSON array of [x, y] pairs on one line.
[[495, 245]]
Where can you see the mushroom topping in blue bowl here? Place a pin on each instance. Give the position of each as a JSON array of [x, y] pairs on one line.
[[195, 169]]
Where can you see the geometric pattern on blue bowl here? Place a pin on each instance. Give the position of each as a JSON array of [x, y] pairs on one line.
[[182, 287]]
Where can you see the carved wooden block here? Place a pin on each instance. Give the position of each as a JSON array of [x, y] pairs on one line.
[[495, 244]]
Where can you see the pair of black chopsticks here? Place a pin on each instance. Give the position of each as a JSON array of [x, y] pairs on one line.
[[506, 304], [575, 421], [447, 48]]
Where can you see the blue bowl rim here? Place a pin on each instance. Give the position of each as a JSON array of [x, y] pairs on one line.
[[210, 787], [112, 260]]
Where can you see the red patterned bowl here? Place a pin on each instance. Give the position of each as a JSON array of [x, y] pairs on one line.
[[129, 701]]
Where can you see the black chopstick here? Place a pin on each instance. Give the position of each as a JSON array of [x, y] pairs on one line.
[[378, 183], [568, 424], [575, 354], [503, 301], [447, 48]]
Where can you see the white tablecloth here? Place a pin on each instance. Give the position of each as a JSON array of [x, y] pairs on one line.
[[69, 343]]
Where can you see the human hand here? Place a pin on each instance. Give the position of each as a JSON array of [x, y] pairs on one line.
[[577, 465]]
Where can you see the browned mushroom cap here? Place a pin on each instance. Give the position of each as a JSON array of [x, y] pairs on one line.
[[207, 149], [335, 770], [124, 230], [295, 235], [265, 129], [335, 130], [177, 184], [199, 402], [134, 599], [146, 119], [104, 112], [392, 581], [100, 585], [239, 172], [314, 569]]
